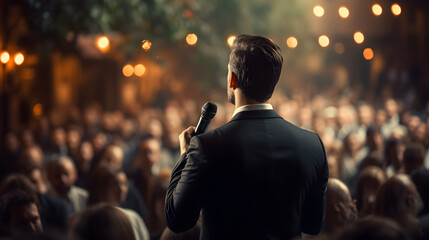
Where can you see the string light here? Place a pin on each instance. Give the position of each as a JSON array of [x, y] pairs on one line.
[[146, 44], [139, 70], [38, 110], [368, 54], [358, 37], [103, 43], [377, 9], [323, 41], [396, 9], [128, 70], [292, 42], [318, 11], [343, 12], [5, 57], [191, 39], [19, 58]]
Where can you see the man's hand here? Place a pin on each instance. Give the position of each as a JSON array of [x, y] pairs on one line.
[[185, 139]]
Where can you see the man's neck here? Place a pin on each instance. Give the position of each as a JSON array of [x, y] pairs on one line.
[[241, 100]]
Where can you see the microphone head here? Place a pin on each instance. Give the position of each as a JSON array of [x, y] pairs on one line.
[[209, 110]]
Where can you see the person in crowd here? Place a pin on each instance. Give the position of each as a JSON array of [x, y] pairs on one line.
[[393, 154], [346, 117], [58, 142], [366, 119], [399, 200], [27, 138], [32, 156], [9, 154], [83, 164], [352, 157], [19, 214], [392, 117], [368, 184], [62, 175], [53, 212], [413, 159], [36, 175], [110, 185], [74, 138], [373, 228], [101, 221], [340, 208]]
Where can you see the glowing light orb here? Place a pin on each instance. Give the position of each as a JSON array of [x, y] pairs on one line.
[[19, 58], [191, 39], [231, 40], [323, 41], [368, 54], [358, 37], [318, 11], [146, 44], [377, 9], [343, 12], [103, 43], [396, 9], [139, 70], [128, 70], [4, 57], [292, 42]]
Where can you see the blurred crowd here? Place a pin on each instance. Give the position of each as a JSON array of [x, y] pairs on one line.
[[97, 174]]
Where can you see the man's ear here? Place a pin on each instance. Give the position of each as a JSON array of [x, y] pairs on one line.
[[233, 81]]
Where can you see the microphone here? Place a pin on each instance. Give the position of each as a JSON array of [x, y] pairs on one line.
[[208, 111]]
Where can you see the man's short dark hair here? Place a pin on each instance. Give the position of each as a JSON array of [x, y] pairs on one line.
[[257, 63]]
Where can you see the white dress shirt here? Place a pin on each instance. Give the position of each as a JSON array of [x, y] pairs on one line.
[[253, 107]]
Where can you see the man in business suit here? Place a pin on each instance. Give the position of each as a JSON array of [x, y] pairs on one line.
[[258, 176]]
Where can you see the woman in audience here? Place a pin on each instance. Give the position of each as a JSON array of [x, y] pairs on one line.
[[368, 184]]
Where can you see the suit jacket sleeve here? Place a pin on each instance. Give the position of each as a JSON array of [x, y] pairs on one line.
[[187, 189], [313, 210]]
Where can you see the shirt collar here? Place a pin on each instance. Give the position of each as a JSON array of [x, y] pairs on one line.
[[253, 107]]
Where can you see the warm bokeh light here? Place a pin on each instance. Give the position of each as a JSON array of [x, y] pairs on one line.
[[139, 70], [19, 58], [339, 48], [231, 40], [146, 44], [38, 110], [292, 42], [128, 70], [191, 39], [358, 37], [318, 11], [103, 43], [5, 57], [396, 9], [376, 9], [343, 12], [368, 54], [323, 41]]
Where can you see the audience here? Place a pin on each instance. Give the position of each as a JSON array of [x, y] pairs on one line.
[[371, 141]]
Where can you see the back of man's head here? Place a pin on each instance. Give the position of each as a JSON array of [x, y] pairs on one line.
[[413, 157], [257, 63]]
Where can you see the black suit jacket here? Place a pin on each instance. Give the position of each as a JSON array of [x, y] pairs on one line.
[[257, 177]]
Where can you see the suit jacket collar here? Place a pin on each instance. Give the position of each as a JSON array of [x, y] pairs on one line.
[[257, 114]]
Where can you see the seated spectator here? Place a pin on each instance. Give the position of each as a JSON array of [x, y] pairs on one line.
[[399, 200], [53, 212], [36, 174], [373, 228], [414, 156], [9, 154], [100, 222], [62, 175], [393, 154], [19, 214], [340, 209], [32, 155], [368, 184], [110, 185]]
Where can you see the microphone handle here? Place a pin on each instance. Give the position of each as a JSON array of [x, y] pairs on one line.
[[202, 125]]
